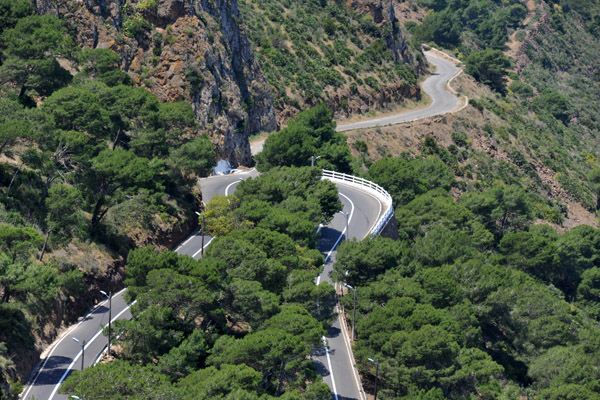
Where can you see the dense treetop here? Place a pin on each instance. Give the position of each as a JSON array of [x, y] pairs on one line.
[[473, 300], [309, 138], [90, 164], [239, 323]]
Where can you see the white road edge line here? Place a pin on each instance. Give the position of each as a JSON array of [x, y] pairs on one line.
[[193, 234], [368, 193], [196, 253], [319, 280], [86, 346], [344, 231], [330, 368], [63, 338], [348, 343], [230, 185]]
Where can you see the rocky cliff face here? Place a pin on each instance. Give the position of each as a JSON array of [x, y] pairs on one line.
[[193, 50], [393, 14]]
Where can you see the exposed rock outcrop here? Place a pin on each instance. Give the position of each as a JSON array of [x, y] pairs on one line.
[[386, 12], [193, 50]]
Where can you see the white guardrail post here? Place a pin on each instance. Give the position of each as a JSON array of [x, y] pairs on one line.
[[371, 188]]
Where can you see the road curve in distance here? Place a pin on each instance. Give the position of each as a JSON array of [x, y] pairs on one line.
[[443, 101]]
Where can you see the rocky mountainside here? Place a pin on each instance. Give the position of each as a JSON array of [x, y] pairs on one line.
[[193, 50], [353, 56]]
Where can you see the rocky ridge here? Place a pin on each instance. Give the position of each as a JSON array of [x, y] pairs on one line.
[[192, 50]]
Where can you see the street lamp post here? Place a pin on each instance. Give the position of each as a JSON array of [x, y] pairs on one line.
[[313, 159], [347, 215], [201, 232], [354, 313], [82, 349], [376, 362], [109, 319]]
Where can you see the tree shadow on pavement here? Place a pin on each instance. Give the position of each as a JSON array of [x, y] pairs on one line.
[[328, 238], [53, 370]]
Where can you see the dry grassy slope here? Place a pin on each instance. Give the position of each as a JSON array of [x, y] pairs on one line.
[[514, 46], [314, 52], [408, 137]]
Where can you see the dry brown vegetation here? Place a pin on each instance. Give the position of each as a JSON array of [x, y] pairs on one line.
[[408, 138]]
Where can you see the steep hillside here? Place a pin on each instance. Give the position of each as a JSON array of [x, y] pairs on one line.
[[195, 51], [353, 56], [533, 116], [90, 167]]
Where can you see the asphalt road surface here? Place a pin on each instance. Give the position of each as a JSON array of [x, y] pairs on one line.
[[333, 360], [435, 86], [218, 184], [65, 354]]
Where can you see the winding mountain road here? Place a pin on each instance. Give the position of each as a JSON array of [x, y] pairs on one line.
[[64, 355], [443, 101], [436, 87], [334, 360]]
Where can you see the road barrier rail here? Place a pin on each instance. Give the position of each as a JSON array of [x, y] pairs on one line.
[[374, 189]]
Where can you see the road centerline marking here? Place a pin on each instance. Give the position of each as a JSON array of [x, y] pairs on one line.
[[330, 368]]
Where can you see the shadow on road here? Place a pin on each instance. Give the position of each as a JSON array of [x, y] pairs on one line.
[[97, 311], [320, 352], [321, 368], [333, 332], [328, 238], [53, 370]]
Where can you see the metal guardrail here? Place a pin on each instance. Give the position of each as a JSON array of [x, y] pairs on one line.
[[385, 196]]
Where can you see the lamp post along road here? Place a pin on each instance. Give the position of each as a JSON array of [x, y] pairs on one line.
[[354, 311], [82, 350], [109, 319], [376, 362], [313, 159], [201, 232], [347, 215]]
